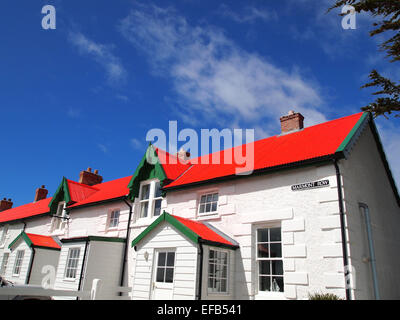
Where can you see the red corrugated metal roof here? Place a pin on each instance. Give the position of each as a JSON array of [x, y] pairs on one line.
[[312, 142], [106, 191], [173, 168], [26, 210], [43, 241], [79, 191], [203, 231]]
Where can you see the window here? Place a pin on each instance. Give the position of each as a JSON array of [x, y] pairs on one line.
[[3, 235], [218, 271], [208, 203], [59, 218], [150, 197], [165, 267], [18, 262], [4, 263], [269, 260], [71, 266], [114, 219]]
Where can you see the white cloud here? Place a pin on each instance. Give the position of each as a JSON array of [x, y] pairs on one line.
[[248, 14], [102, 147], [136, 144], [213, 76], [102, 54]]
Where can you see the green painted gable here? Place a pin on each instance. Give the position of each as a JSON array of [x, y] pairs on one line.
[[148, 168], [62, 194]]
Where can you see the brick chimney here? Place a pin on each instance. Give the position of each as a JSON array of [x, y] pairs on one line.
[[183, 156], [41, 193], [5, 204], [292, 122], [90, 178]]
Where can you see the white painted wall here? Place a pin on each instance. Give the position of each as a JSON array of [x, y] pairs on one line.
[[68, 284], [309, 220], [22, 277], [165, 236], [365, 180]]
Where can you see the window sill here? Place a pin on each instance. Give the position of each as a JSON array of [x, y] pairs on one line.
[[270, 296], [69, 280]]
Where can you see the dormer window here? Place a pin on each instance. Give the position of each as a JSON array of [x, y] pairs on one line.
[[60, 218], [150, 198]]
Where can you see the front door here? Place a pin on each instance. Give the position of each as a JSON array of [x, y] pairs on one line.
[[163, 274]]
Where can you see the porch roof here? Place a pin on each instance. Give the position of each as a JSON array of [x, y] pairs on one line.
[[37, 240], [196, 231]]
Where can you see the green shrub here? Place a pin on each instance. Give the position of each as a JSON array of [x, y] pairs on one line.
[[323, 296]]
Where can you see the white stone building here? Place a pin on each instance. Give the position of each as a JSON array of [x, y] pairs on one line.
[[319, 213]]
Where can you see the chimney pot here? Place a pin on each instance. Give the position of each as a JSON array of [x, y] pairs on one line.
[[90, 178], [183, 156], [5, 204], [41, 193], [294, 121]]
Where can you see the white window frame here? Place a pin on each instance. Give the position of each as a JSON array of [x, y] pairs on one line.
[[72, 268], [19, 258], [200, 204], [216, 278], [165, 266], [4, 263], [151, 201], [111, 221], [3, 236], [257, 259], [60, 218]]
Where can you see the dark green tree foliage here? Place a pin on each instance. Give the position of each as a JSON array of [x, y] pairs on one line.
[[387, 13]]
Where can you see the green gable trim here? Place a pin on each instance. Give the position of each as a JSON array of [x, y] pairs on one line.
[[171, 220], [24, 236], [146, 171], [62, 194], [353, 132]]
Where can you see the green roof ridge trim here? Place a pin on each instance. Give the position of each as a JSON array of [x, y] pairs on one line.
[[24, 236], [171, 220], [145, 171], [353, 131], [62, 194]]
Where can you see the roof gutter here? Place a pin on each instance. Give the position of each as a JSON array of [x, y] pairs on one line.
[[124, 258], [342, 228]]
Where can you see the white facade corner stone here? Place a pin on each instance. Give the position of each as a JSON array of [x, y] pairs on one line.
[[293, 225], [296, 278], [295, 251]]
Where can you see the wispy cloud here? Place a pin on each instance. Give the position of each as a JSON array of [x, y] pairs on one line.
[[136, 144], [102, 54], [74, 113], [122, 97], [212, 76], [248, 14], [102, 147]]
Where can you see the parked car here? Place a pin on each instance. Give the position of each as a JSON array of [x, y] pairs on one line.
[[8, 284]]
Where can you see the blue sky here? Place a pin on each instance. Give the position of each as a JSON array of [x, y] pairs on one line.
[[85, 94]]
